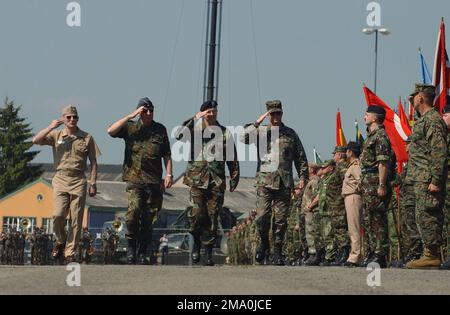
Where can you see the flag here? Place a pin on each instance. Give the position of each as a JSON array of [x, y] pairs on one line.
[[359, 137], [403, 118], [424, 73], [340, 138], [441, 71], [395, 129], [411, 115], [317, 159]]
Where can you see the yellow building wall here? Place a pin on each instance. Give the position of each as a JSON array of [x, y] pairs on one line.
[[25, 203]]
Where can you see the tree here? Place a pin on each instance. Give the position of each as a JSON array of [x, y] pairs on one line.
[[15, 156]]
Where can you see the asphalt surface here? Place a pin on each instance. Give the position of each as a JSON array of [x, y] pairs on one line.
[[220, 280]]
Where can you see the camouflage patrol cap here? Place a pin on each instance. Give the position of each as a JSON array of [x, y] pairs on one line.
[[425, 88], [274, 106], [340, 149], [328, 163], [70, 110], [314, 166]]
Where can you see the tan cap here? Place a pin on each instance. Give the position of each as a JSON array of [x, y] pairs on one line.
[[69, 110]]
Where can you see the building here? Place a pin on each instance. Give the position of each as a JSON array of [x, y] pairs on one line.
[[35, 202]]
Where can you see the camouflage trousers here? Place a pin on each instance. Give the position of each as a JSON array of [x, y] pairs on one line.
[[144, 203], [339, 225], [410, 237], [447, 218], [203, 218], [276, 201], [429, 214], [394, 241], [327, 237], [292, 242], [312, 232], [375, 222]]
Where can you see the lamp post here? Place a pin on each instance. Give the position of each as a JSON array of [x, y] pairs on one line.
[[370, 31]]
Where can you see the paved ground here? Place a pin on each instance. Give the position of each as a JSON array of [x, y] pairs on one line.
[[221, 280]]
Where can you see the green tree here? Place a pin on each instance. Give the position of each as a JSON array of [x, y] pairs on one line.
[[15, 154]]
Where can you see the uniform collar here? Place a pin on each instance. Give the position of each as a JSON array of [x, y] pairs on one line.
[[376, 130], [77, 134]]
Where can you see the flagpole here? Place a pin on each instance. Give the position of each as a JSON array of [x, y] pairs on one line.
[[315, 157]]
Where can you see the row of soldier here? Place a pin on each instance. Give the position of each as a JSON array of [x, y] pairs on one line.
[[356, 209]]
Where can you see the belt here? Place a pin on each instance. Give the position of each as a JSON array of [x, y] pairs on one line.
[[71, 173], [370, 170]]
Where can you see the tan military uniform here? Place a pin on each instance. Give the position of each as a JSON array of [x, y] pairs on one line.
[[70, 153]]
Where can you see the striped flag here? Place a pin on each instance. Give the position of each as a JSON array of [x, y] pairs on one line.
[[397, 131], [359, 137], [340, 138], [441, 71], [403, 118]]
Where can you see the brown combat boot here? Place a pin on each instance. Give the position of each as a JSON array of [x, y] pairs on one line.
[[430, 259]]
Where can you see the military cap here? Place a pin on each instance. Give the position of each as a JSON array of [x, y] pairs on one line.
[[339, 148], [146, 103], [207, 105], [408, 140], [69, 110], [446, 109], [274, 106], [355, 147], [375, 109], [426, 88], [314, 166]]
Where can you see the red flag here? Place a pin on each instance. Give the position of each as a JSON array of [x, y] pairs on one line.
[[340, 138], [396, 130], [441, 73], [403, 118], [411, 115]]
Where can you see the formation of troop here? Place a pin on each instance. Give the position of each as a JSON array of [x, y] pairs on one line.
[[336, 213], [357, 209], [14, 242]]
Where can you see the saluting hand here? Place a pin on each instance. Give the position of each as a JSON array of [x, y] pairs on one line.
[[56, 123], [137, 112], [262, 117], [201, 114]]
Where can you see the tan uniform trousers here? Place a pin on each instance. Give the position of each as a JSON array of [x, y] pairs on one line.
[[69, 194], [353, 207]]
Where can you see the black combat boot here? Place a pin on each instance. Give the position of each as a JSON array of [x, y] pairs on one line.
[[209, 255], [380, 260], [195, 255], [142, 253], [446, 264], [278, 256], [367, 259], [342, 257], [261, 251], [131, 252], [316, 259]]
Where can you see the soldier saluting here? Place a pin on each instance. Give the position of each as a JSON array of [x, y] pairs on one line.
[[205, 175], [274, 179], [146, 144]]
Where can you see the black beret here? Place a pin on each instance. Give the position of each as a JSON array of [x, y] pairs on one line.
[[207, 105], [354, 147], [376, 110], [446, 109], [146, 103]]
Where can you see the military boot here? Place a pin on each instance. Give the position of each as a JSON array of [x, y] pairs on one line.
[[380, 260], [142, 254], [429, 259], [446, 264], [131, 252], [367, 259], [342, 257], [195, 254], [261, 251], [209, 255], [315, 259], [278, 256]]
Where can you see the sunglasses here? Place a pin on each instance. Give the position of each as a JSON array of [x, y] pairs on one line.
[[72, 117]]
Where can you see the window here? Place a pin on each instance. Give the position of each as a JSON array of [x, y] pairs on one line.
[[14, 223]]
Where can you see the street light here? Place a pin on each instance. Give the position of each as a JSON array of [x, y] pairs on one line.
[[382, 31]]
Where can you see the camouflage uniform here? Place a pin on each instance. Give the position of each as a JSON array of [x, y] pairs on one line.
[[392, 228], [428, 158], [376, 149], [274, 185], [253, 241], [326, 229], [206, 178], [410, 237], [145, 146], [312, 231], [336, 206], [447, 205]]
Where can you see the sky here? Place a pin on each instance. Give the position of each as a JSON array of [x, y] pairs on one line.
[[311, 55]]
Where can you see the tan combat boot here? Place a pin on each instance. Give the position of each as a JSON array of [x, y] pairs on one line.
[[430, 259]]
